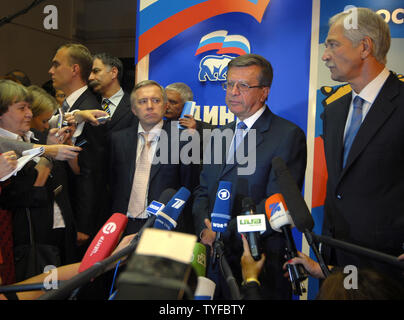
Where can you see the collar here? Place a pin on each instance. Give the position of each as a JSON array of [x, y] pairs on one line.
[[155, 131], [116, 98], [251, 120], [11, 135], [370, 92], [75, 95]]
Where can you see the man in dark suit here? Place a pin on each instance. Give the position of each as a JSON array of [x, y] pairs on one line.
[[131, 194], [177, 94], [105, 79], [71, 67], [248, 83], [364, 203]]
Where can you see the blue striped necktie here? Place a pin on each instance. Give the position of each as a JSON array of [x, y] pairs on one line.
[[238, 138], [353, 126], [105, 105]]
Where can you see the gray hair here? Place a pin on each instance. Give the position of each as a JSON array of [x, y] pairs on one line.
[[146, 83], [184, 91], [111, 61], [12, 92], [369, 24]]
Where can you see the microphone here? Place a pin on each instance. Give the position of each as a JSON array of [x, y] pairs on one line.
[[280, 220], [220, 216], [248, 208], [153, 210], [293, 197], [297, 207], [105, 241], [167, 218], [221, 210]]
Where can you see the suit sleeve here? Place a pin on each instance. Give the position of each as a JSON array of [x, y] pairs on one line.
[[17, 146], [293, 151]]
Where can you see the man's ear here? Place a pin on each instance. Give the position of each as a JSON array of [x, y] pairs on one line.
[[367, 49], [76, 69], [114, 72]]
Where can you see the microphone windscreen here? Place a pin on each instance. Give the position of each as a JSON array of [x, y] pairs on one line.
[[155, 207], [205, 290], [166, 195], [167, 218], [198, 261], [105, 241], [221, 210], [297, 206], [277, 212]]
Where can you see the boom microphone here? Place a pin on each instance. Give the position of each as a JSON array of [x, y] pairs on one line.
[[289, 189], [248, 208], [105, 241], [297, 206], [281, 221]]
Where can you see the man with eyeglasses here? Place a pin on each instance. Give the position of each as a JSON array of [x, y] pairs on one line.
[[249, 79]]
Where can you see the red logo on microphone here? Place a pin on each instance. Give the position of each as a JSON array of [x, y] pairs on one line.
[[109, 228]]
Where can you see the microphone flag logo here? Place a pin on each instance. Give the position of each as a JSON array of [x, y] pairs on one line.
[[223, 194], [109, 228]]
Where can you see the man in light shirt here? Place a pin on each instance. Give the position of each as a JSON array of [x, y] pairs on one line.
[[131, 190], [249, 79], [70, 69], [363, 136], [105, 79]]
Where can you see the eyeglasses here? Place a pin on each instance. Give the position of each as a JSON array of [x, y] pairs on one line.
[[243, 87]]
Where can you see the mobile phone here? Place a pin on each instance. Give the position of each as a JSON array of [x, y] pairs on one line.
[[81, 143], [104, 119]]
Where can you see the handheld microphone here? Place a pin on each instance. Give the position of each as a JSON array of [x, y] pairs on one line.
[[221, 210], [167, 218], [105, 241], [248, 208], [220, 216], [153, 210], [281, 221]]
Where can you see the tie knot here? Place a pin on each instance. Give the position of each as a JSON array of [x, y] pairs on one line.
[[147, 137], [106, 101], [241, 125], [358, 102], [65, 106]]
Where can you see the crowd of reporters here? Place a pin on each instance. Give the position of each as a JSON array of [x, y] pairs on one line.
[[54, 205]]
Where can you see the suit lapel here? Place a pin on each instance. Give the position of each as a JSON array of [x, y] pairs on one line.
[[79, 101], [156, 167], [131, 148], [121, 110], [337, 118], [380, 111]]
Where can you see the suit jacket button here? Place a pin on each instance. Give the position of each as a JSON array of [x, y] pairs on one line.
[[339, 197]]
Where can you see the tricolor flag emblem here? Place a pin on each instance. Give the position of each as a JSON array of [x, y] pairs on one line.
[[224, 43]]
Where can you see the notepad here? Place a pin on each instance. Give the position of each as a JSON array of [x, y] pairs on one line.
[[27, 156]]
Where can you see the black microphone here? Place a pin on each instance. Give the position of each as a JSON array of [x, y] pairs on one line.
[[253, 238], [281, 221], [297, 207]]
